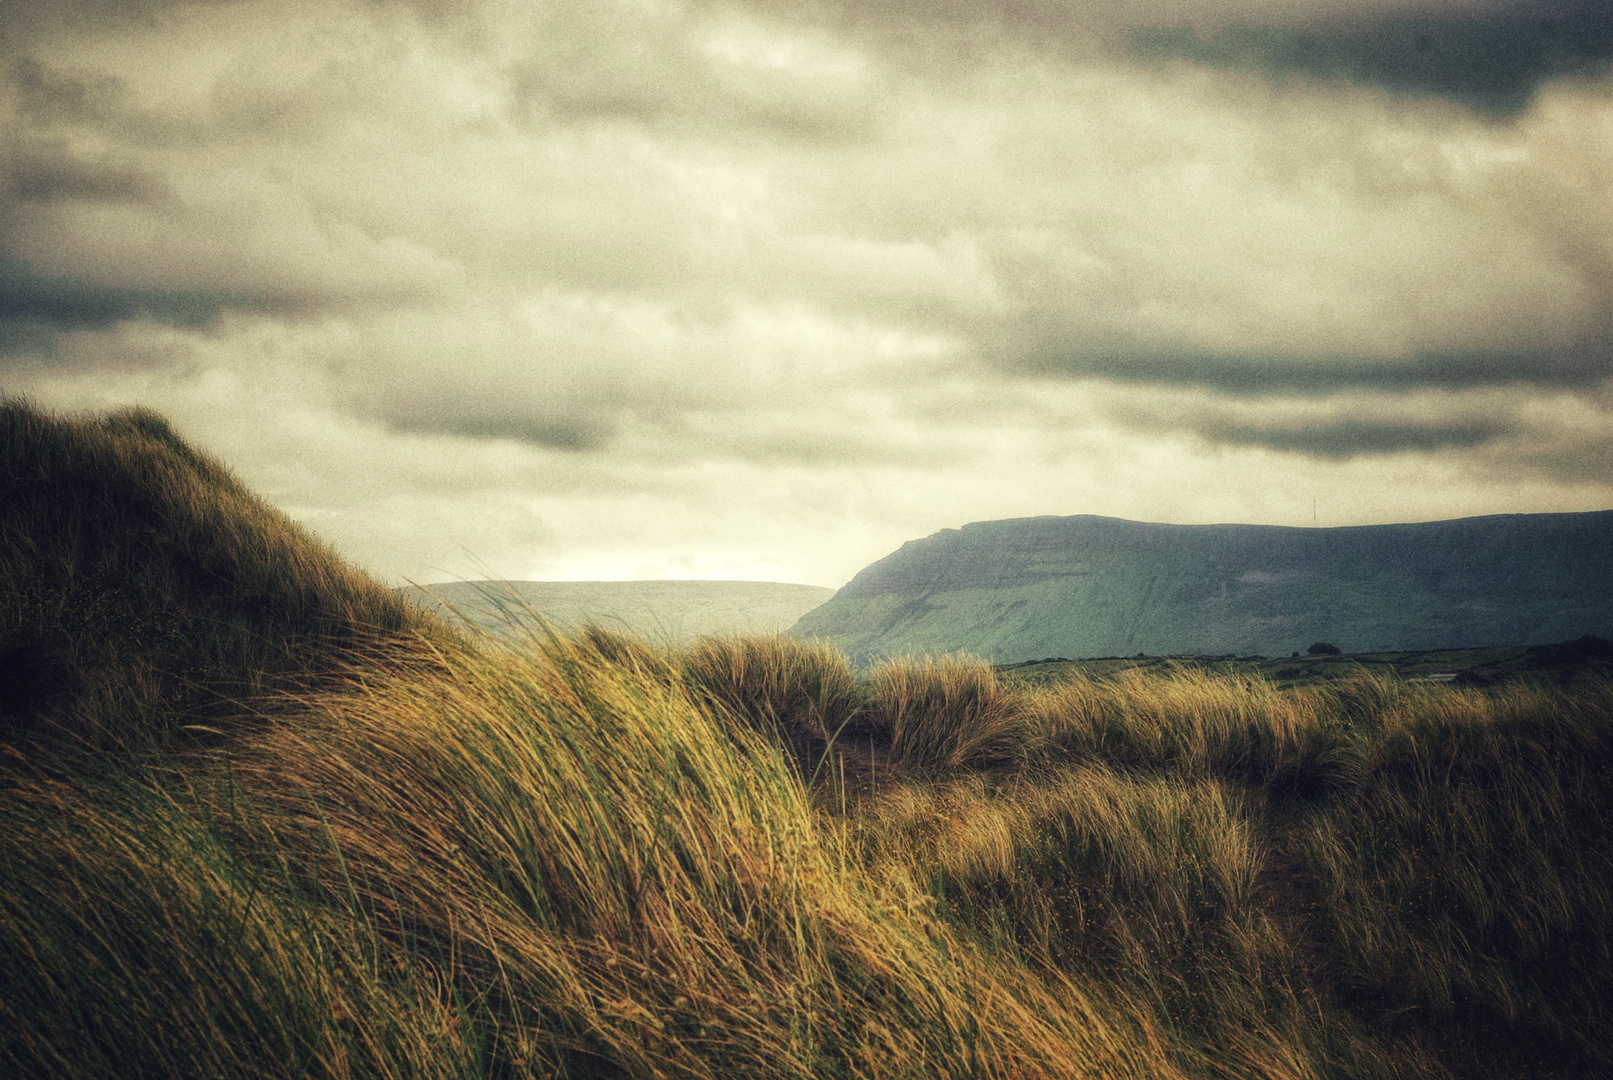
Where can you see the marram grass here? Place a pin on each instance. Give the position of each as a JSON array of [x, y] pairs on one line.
[[566, 860], [259, 820], [541, 864], [148, 588]]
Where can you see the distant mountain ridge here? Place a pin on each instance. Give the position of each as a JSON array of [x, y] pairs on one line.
[[1027, 588], [671, 611]]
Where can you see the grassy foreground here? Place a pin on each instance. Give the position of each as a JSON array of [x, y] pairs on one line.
[[304, 832]]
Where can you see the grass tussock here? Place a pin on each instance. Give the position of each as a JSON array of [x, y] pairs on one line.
[[139, 938], [1466, 871], [409, 854], [945, 714], [1143, 885], [1139, 882], [802, 689]]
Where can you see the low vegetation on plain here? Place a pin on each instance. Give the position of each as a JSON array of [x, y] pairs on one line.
[[257, 820]]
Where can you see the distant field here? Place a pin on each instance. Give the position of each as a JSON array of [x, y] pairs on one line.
[[1557, 664], [670, 611]]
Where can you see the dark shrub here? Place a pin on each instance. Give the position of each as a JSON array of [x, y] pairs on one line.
[[1322, 648]]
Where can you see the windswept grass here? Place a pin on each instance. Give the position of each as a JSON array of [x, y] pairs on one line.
[[799, 688], [1466, 872], [945, 714], [1193, 724], [408, 854], [140, 937], [507, 865]]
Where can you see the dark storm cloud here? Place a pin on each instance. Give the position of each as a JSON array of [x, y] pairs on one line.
[[1343, 439], [34, 309], [1492, 62], [1322, 374], [40, 17], [46, 94], [50, 173]]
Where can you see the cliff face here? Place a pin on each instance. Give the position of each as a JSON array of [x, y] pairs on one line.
[[1029, 588]]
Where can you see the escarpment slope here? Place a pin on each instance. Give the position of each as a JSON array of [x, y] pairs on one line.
[[1095, 586]]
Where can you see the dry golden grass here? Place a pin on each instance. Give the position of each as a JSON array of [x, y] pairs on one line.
[[1191, 723], [799, 688], [407, 854], [584, 870], [945, 714]]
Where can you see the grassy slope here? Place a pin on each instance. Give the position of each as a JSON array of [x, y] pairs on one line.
[[142, 586], [590, 857]]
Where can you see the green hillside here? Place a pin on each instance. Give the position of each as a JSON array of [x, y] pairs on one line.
[[1087, 586], [671, 611]]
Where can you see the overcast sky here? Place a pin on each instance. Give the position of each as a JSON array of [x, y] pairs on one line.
[[646, 288]]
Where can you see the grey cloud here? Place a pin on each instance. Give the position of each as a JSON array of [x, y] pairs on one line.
[[34, 309], [51, 172], [1343, 439], [1322, 374], [1584, 458], [46, 94], [49, 98], [925, 33], [29, 20], [671, 71], [1492, 62], [523, 421], [801, 436]]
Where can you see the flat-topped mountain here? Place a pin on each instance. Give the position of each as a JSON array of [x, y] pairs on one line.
[[674, 611], [1027, 588]]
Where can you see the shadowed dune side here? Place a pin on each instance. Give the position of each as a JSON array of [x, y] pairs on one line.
[[142, 587]]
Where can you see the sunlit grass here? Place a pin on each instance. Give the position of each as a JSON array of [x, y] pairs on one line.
[[945, 714], [584, 871]]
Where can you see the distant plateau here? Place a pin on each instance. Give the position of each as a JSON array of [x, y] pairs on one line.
[[1085, 586]]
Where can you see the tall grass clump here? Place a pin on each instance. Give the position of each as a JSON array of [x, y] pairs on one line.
[[141, 584], [1466, 873], [800, 689], [945, 714], [1149, 890], [1096, 872]]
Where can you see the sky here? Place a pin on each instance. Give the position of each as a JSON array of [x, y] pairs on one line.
[[617, 289]]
